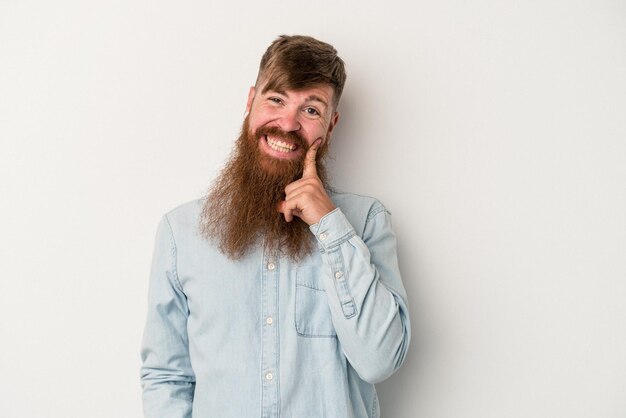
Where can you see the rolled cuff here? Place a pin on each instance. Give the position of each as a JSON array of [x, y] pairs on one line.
[[332, 230]]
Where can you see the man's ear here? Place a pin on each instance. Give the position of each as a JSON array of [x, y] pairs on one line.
[[333, 122], [251, 94]]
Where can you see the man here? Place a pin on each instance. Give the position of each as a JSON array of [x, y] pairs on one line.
[[274, 296]]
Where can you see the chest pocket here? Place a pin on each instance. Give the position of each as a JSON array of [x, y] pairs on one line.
[[312, 312]]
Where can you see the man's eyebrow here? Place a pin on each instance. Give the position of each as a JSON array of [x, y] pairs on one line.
[[314, 98], [311, 98], [281, 92]]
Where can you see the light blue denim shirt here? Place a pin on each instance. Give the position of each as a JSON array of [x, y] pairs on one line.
[[267, 337]]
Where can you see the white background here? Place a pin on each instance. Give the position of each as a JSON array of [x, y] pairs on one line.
[[494, 131]]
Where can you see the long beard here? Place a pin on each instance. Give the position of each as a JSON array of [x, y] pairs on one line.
[[240, 209]]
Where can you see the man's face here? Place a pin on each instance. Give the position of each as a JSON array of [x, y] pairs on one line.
[[268, 156], [286, 123]]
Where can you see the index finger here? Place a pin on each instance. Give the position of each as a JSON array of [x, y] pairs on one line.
[[310, 170]]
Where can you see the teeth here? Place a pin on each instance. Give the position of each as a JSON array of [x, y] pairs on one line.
[[280, 145]]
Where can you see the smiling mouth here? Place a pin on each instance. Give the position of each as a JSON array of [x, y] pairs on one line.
[[280, 146]]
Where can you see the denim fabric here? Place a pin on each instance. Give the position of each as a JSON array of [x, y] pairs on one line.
[[267, 337]]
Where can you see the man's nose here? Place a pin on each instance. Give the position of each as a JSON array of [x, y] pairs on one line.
[[289, 121]]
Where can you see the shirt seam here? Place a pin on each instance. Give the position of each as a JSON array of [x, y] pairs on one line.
[[310, 286], [174, 255], [375, 212], [333, 246], [278, 370], [371, 215], [374, 405]]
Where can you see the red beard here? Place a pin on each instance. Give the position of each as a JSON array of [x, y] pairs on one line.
[[241, 207]]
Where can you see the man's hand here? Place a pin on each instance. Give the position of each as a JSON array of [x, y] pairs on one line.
[[306, 198]]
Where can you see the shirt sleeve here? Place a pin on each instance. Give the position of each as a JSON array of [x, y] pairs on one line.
[[167, 378], [367, 300]]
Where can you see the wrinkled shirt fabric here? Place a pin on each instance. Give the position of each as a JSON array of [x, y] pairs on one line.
[[268, 337]]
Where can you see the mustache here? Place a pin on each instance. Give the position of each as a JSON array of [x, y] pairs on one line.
[[276, 132]]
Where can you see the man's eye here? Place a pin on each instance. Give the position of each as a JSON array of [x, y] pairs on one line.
[[311, 111], [275, 100]]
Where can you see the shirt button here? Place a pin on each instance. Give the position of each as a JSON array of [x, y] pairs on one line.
[[269, 320], [271, 266], [323, 236], [338, 275], [269, 376]]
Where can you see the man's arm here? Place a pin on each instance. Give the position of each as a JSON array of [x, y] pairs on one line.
[[367, 300], [167, 378]]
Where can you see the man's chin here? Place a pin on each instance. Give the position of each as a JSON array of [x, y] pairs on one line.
[[279, 167]]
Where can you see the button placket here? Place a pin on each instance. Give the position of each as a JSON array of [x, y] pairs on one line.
[[270, 342], [341, 284]]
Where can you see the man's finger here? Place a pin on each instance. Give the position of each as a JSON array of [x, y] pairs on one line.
[[310, 170], [285, 210]]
